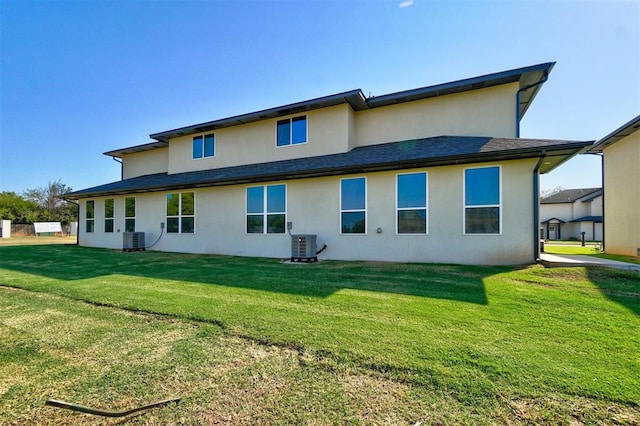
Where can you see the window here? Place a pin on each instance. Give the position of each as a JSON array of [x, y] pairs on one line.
[[291, 131], [90, 215], [181, 213], [204, 146], [266, 209], [353, 206], [130, 214], [411, 203], [482, 209], [108, 215]]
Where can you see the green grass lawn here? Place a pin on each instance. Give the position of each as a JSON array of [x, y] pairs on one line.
[[247, 340], [588, 250]]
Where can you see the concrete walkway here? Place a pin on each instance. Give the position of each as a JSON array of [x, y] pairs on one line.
[[551, 260]]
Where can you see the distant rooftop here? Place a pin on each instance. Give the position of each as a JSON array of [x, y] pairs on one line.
[[571, 195]]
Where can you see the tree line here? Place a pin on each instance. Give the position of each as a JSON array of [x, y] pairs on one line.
[[44, 204]]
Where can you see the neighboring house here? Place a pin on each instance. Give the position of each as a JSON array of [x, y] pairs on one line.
[[434, 174], [567, 214], [621, 175]]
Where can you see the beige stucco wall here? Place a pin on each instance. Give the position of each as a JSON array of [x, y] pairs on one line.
[[328, 130], [622, 196], [482, 112], [313, 207], [145, 163]]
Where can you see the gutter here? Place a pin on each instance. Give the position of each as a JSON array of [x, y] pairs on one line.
[[536, 206], [545, 77]]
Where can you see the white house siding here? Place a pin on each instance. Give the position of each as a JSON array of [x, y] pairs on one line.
[[483, 112], [622, 196], [145, 163], [328, 130], [313, 205]]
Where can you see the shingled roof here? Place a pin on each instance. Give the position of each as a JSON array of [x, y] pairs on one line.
[[570, 195], [428, 152]]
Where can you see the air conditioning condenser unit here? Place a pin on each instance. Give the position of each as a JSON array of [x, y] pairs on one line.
[[303, 248], [133, 241]]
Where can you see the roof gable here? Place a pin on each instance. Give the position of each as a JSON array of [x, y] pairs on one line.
[[529, 78], [622, 132]]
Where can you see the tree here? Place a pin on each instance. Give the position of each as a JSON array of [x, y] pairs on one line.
[[549, 192], [15, 208], [50, 199]]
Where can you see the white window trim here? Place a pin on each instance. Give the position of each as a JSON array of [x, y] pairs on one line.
[[135, 209], [180, 215], [92, 219], [290, 144], [366, 207], [204, 157], [112, 218], [426, 207], [265, 213], [464, 201]]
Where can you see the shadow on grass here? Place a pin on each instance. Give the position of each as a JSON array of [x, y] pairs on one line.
[[622, 287], [71, 263]]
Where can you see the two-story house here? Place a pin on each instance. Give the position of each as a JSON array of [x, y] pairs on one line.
[[569, 213], [434, 174]]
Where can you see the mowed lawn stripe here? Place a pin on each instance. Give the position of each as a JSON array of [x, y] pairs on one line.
[[477, 331]]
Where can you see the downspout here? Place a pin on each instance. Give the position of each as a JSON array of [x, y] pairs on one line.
[[121, 167], [545, 77], [536, 206]]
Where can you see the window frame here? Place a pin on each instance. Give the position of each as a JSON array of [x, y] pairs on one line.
[[265, 213], [180, 216], [425, 208], [203, 146], [465, 206], [90, 219], [290, 120], [128, 218], [109, 219], [365, 209]]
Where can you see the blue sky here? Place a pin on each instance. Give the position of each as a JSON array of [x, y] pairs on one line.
[[79, 78]]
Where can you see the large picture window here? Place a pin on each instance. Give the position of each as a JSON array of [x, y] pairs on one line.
[[411, 203], [108, 215], [130, 214], [353, 206], [266, 209], [181, 213], [90, 215], [482, 203], [291, 131], [204, 146]]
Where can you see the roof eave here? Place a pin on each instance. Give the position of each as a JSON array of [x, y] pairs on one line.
[[563, 150], [621, 132]]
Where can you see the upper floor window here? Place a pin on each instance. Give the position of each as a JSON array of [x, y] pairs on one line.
[[108, 215], [181, 213], [411, 203], [482, 202], [204, 146], [130, 214], [291, 131], [90, 215], [266, 209], [353, 206]]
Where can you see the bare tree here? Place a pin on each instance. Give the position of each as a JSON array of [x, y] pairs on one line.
[[50, 198]]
